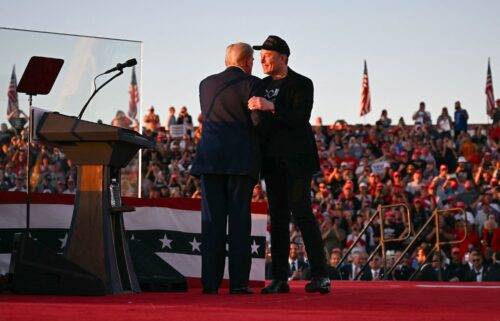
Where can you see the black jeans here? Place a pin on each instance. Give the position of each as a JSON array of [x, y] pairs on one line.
[[290, 194]]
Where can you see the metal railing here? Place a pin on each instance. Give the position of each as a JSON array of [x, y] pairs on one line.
[[437, 245], [380, 213]]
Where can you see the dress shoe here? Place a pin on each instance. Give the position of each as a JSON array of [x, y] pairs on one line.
[[276, 286], [246, 290], [210, 291], [321, 285]]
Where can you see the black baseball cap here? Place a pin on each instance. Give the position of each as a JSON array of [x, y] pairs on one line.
[[274, 43]]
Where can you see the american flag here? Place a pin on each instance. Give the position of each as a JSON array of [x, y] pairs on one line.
[[12, 93], [490, 99], [365, 94], [134, 96]]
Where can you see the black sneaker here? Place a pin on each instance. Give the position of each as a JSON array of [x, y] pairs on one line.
[[321, 285], [276, 286]]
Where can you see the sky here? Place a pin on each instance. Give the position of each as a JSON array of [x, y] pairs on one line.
[[432, 51]]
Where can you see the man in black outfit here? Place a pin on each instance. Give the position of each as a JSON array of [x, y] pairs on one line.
[[290, 160], [228, 159]]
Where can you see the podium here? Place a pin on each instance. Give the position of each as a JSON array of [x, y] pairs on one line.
[[96, 241]]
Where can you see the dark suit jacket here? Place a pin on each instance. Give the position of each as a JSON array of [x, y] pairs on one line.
[[493, 272], [470, 275], [426, 274], [300, 265], [333, 273], [368, 276], [290, 134], [346, 272], [229, 144]]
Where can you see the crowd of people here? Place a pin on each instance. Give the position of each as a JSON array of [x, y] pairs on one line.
[[425, 166]]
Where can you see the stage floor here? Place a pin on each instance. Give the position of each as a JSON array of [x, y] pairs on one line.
[[348, 301]]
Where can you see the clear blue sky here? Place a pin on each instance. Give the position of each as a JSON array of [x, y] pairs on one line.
[[435, 51]]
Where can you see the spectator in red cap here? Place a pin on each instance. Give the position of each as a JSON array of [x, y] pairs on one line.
[[432, 200], [381, 196], [469, 195], [416, 184], [363, 196], [393, 228], [350, 160], [456, 268], [323, 197], [450, 189], [348, 200]]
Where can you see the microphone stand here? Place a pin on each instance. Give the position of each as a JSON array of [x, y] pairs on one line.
[[28, 165], [96, 91]]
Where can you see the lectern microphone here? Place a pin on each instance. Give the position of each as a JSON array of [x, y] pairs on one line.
[[119, 67], [128, 63]]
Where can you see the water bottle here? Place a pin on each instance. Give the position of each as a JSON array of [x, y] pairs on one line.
[[114, 191]]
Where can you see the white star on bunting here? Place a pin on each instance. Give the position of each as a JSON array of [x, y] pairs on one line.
[[255, 248], [165, 242], [195, 245], [64, 241]]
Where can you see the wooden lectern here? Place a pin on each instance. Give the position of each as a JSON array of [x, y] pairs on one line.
[[96, 240]]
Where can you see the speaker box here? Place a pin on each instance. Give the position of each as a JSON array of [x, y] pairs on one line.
[[154, 274], [36, 269]]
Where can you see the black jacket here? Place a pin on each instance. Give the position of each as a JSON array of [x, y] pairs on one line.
[[290, 135]]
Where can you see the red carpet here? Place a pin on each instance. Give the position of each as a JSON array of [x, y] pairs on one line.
[[348, 301]]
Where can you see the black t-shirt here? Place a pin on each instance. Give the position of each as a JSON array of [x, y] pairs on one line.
[[272, 89]]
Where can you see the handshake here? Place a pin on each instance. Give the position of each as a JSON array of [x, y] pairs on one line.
[[259, 103]]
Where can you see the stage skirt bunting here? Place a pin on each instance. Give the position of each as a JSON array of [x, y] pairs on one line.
[[170, 227]]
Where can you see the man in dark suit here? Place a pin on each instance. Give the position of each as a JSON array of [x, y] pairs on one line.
[[375, 272], [426, 271], [297, 264], [494, 268], [228, 159], [478, 273], [351, 271], [290, 160]]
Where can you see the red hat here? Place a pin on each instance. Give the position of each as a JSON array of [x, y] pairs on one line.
[[380, 185], [443, 167], [417, 201], [403, 153], [460, 204], [455, 250], [395, 174]]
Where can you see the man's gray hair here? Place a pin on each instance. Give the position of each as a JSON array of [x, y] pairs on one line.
[[237, 53]]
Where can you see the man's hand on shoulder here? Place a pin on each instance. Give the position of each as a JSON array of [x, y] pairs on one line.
[[259, 103]]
